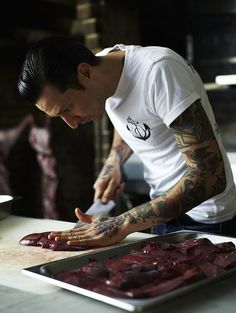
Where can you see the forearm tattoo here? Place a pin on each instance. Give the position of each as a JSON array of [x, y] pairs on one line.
[[205, 176], [120, 152], [106, 170], [120, 148], [204, 179], [123, 151]]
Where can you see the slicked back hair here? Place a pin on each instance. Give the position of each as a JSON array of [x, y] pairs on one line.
[[53, 61]]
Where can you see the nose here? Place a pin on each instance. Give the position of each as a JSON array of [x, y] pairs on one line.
[[72, 122]]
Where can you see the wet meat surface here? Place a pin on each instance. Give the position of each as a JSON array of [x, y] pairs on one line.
[[155, 269], [41, 240]]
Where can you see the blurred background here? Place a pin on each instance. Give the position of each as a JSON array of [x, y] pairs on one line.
[[52, 167]]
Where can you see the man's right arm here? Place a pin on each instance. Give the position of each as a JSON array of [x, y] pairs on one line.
[[108, 184]]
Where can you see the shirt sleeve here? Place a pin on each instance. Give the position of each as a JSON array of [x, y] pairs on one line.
[[171, 89]]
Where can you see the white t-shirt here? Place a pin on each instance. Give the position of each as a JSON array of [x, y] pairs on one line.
[[155, 87]]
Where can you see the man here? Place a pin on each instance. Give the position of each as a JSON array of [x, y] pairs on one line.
[[160, 111]]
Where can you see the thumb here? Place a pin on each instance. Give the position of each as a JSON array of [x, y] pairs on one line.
[[86, 218]]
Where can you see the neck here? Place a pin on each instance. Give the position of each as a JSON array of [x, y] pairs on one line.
[[111, 67]]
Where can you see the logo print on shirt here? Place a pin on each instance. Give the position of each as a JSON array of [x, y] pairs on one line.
[[140, 131]]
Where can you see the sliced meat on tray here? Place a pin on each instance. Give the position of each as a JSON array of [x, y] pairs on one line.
[[154, 269]]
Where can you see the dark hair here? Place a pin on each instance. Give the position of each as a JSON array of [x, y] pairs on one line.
[[53, 61]]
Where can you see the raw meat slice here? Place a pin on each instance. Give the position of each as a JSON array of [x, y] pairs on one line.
[[226, 260], [41, 239]]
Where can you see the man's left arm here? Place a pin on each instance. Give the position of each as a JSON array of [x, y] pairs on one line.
[[204, 178]]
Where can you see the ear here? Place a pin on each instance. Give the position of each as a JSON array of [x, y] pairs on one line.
[[83, 71]]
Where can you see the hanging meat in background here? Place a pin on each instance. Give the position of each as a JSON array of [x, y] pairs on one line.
[[8, 138], [39, 138]]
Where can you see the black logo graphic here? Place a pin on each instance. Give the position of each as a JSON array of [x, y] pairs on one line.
[[140, 131]]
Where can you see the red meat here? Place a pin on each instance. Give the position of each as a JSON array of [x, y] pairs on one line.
[[154, 269], [41, 239]]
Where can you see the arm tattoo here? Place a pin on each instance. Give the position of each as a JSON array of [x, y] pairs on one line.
[[192, 127], [123, 151], [106, 170], [204, 179], [120, 148]]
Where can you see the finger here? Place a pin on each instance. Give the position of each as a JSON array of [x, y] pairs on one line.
[[110, 192], [95, 241], [53, 234], [65, 233], [86, 218], [98, 242], [99, 192], [73, 235], [119, 190], [86, 242], [100, 186]]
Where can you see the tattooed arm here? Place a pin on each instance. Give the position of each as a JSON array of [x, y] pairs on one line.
[[108, 184], [204, 179]]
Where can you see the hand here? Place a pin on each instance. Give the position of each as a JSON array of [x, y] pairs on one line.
[[108, 184], [100, 231]]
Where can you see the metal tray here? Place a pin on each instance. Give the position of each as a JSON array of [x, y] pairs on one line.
[[47, 271]]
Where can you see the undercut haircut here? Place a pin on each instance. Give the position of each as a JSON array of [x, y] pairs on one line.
[[53, 61]]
